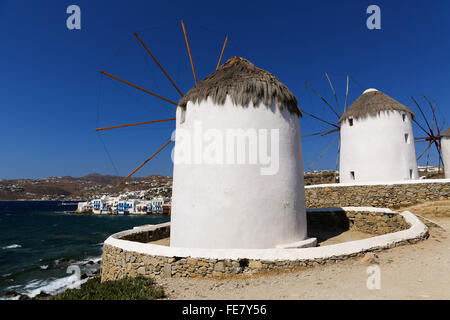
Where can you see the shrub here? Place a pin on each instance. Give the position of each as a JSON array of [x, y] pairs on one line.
[[125, 289]]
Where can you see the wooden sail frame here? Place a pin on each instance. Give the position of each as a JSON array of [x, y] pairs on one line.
[[336, 111], [156, 95], [432, 132]]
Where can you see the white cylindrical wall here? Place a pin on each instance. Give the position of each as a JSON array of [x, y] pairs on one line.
[[445, 144], [235, 205], [378, 148]]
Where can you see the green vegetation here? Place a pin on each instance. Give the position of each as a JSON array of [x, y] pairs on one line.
[[125, 289]]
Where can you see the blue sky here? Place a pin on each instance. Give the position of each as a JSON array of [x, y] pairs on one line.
[[52, 95]]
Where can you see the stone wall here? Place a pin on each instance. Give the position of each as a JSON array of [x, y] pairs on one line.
[[392, 196], [118, 263], [148, 236], [370, 222]]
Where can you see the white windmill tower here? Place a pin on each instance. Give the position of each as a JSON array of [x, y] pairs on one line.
[[224, 202], [445, 145], [238, 204], [377, 142]]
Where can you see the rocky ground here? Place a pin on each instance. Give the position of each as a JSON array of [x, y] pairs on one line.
[[417, 271]]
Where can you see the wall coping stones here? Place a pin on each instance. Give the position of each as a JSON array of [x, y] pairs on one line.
[[416, 231], [338, 209], [377, 183]]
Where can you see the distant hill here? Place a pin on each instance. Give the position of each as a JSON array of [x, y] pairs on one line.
[[86, 187], [105, 179], [96, 185]]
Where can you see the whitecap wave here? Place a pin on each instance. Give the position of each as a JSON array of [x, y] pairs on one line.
[[12, 246], [53, 286], [90, 261]]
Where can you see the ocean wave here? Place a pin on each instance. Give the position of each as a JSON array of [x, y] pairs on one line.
[[12, 246], [89, 261], [95, 259], [53, 286], [44, 267], [12, 298]]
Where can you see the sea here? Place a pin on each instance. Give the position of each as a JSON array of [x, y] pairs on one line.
[[45, 247]]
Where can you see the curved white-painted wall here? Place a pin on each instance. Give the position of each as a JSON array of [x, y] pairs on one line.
[[222, 206], [375, 148], [417, 230], [445, 144]]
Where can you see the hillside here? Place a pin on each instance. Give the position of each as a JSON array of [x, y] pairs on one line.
[[83, 188], [94, 185]]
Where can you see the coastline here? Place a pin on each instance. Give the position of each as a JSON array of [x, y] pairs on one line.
[[39, 200], [51, 287], [41, 240]]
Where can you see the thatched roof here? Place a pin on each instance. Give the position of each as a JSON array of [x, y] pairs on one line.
[[371, 103], [446, 133], [243, 82]]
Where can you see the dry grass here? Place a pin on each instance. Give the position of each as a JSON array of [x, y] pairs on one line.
[[431, 209]]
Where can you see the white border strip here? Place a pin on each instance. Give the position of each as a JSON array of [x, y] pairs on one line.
[[379, 183], [338, 209], [417, 229]]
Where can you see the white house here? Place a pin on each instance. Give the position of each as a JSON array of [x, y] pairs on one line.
[[238, 171], [100, 206], [377, 141], [157, 205], [84, 206]]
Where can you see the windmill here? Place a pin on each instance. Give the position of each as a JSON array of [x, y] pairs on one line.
[[334, 125], [432, 130], [156, 95]]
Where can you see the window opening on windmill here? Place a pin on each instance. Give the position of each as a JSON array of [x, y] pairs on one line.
[[350, 122], [407, 138], [404, 117], [352, 175], [410, 173]]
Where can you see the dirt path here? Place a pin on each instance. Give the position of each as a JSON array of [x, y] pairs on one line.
[[420, 271]]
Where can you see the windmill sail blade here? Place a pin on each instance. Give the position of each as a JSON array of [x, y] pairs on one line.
[[317, 118], [423, 115], [428, 157], [314, 134], [159, 65], [134, 124], [443, 124], [334, 92], [418, 124], [424, 152], [150, 158], [189, 51], [346, 96], [440, 155], [323, 99], [223, 50], [433, 110], [323, 153], [139, 88], [331, 131]]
